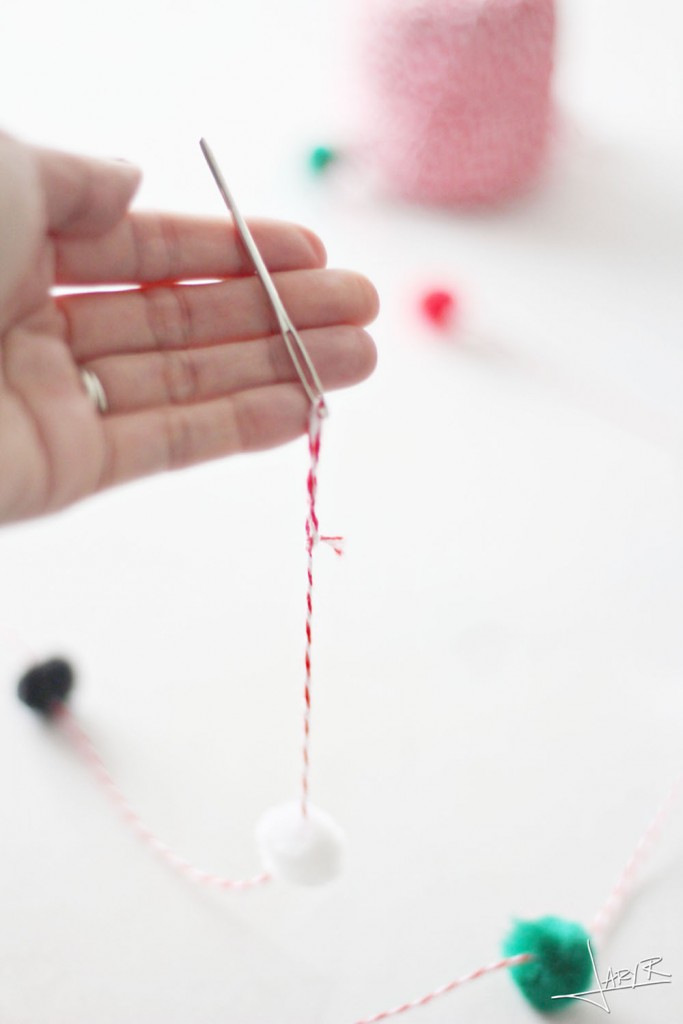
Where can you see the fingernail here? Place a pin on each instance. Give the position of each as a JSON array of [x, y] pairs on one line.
[[124, 164]]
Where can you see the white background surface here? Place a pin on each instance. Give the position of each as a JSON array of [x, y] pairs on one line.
[[498, 659]]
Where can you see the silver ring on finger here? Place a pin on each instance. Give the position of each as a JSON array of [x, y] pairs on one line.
[[95, 390]]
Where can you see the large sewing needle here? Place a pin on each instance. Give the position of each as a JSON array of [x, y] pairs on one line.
[[295, 346]]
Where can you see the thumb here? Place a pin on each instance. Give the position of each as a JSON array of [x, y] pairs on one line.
[[83, 196]]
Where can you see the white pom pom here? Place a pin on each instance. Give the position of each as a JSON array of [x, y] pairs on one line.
[[305, 850]]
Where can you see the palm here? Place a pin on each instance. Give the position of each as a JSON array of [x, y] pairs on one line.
[[190, 372], [51, 442]]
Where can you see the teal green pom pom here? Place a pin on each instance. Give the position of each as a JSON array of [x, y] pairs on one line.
[[561, 966], [320, 158]]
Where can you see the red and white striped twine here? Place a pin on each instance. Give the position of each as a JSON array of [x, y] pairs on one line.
[[510, 961], [85, 747], [605, 916], [312, 538]]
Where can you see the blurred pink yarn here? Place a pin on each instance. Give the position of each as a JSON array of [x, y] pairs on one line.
[[457, 102]]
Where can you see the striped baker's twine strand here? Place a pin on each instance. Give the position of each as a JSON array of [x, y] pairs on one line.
[[312, 538], [85, 747], [511, 961], [605, 916]]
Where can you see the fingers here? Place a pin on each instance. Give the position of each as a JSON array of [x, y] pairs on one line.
[[84, 197], [151, 248], [180, 436], [187, 316], [342, 356], [177, 407]]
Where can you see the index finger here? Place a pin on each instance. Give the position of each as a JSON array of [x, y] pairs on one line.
[[151, 248]]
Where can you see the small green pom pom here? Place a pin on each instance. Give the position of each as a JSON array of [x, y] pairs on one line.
[[321, 157], [561, 964]]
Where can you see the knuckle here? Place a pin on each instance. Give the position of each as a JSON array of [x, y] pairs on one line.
[[180, 438], [157, 247], [279, 363], [168, 317], [181, 377], [246, 424]]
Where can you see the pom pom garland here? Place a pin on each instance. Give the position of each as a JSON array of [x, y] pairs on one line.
[[552, 951], [547, 957], [561, 961], [304, 850], [45, 687]]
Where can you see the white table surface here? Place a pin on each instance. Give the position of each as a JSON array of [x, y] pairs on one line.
[[498, 658]]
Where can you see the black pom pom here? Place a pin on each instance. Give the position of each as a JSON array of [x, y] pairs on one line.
[[44, 687]]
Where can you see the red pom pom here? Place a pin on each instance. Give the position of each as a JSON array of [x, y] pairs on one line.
[[439, 307]]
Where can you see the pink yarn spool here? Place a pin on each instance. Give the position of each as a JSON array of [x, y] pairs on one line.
[[458, 96]]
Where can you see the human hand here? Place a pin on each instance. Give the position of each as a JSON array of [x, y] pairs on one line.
[[191, 372]]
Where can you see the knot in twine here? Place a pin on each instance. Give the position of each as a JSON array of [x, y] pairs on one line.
[[313, 535]]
